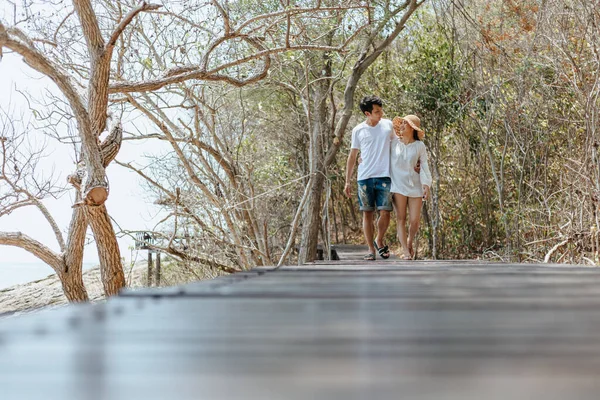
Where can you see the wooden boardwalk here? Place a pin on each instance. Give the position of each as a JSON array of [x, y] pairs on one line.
[[334, 330]]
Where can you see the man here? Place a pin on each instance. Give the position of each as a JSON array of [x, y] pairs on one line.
[[372, 139]]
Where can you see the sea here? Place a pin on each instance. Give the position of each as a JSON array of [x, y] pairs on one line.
[[16, 273]]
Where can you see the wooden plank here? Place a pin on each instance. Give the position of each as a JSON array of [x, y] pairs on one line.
[[428, 330]]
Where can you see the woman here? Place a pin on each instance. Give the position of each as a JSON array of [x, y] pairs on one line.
[[409, 188]]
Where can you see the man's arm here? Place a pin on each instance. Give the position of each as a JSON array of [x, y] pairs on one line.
[[350, 170]]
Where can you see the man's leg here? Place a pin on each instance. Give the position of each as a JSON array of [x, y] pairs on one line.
[[366, 202], [384, 205], [368, 230], [382, 225]]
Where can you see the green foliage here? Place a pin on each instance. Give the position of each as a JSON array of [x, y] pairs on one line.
[[277, 171], [508, 109]]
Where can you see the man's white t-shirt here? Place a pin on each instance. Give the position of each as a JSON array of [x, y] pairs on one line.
[[374, 145]]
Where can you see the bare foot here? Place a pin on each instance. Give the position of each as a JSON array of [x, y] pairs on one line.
[[411, 251]]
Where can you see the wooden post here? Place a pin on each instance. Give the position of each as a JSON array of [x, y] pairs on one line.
[[149, 268], [157, 276]]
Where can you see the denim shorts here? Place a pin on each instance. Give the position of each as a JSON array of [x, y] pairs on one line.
[[374, 193]]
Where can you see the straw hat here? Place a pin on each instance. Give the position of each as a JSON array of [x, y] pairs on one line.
[[413, 121]]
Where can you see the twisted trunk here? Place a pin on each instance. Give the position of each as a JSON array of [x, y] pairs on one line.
[[311, 218], [90, 180], [71, 280], [111, 269], [97, 217], [311, 221]]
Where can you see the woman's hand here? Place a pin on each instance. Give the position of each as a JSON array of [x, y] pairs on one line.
[[425, 192]]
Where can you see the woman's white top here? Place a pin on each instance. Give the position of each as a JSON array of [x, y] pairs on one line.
[[403, 159]]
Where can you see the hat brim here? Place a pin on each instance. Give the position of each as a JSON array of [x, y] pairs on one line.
[[398, 120], [416, 128]]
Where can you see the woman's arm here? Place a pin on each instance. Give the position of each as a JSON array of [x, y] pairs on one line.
[[425, 174]]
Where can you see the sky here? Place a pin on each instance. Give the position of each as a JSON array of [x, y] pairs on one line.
[[126, 204]]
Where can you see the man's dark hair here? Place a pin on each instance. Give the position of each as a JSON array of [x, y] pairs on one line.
[[367, 103]]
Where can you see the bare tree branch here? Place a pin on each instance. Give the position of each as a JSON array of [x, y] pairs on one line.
[[126, 21], [297, 11], [553, 250], [17, 41], [17, 239], [61, 24], [15, 206], [95, 189], [202, 259], [52, 222], [212, 75], [226, 23], [295, 222]]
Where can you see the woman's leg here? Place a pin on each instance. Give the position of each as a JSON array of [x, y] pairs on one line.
[[400, 203], [414, 218]]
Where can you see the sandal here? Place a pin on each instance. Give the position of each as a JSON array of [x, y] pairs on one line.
[[406, 257], [369, 257], [384, 252]]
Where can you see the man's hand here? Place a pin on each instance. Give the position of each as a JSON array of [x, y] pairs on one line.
[[347, 190], [418, 167], [425, 192]]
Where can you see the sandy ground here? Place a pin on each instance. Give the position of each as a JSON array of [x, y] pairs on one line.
[[47, 292]]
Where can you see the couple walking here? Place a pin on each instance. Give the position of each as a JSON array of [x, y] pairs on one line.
[[393, 173]]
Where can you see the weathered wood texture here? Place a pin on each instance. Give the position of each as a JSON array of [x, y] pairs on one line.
[[345, 330]]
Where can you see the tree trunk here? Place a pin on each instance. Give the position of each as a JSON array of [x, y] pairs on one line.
[[111, 269], [71, 278], [72, 284], [370, 52], [253, 233], [311, 222], [435, 208], [350, 205], [150, 266], [157, 276], [344, 221], [334, 219]]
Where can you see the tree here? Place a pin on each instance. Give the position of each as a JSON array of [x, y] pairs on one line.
[[23, 185], [99, 48], [326, 139], [214, 134]]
